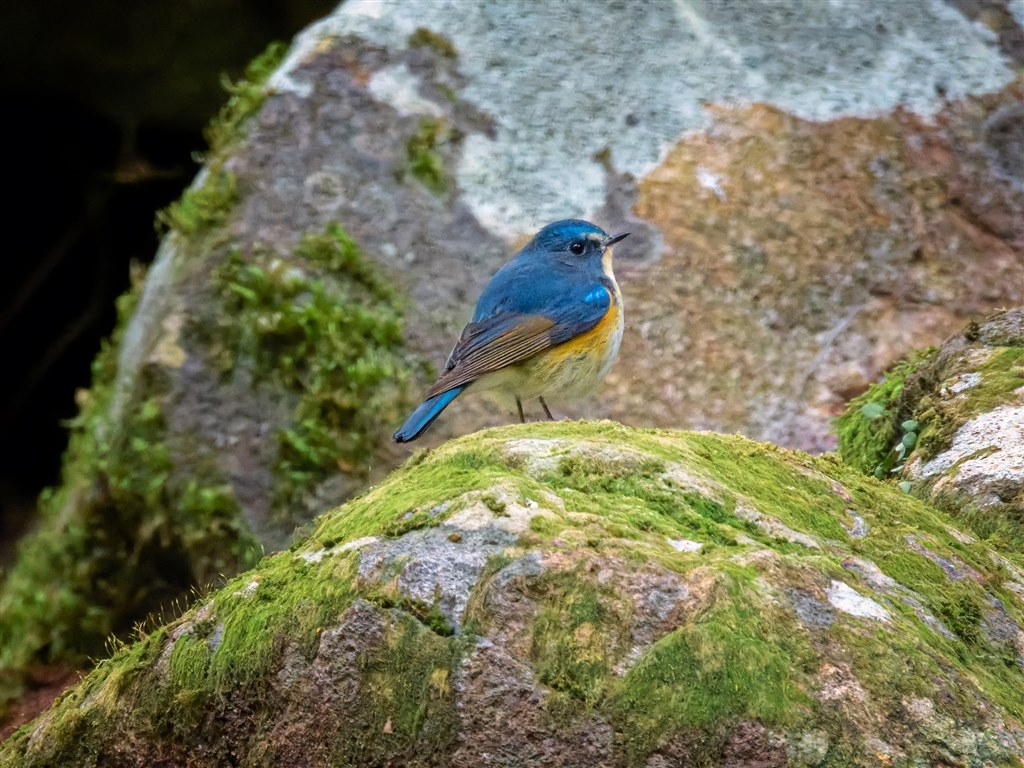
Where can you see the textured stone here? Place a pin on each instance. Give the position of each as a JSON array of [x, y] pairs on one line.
[[988, 452], [719, 52], [844, 598], [970, 455], [580, 638], [841, 246], [812, 190]]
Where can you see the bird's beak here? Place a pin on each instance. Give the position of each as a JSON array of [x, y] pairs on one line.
[[612, 240]]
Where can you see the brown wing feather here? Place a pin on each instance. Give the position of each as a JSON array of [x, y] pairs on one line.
[[479, 353]]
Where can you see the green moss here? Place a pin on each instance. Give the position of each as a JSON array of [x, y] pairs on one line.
[[422, 496], [636, 497], [427, 38], [207, 203], [280, 600], [423, 161], [1003, 530], [961, 611], [246, 96], [546, 526], [188, 671], [430, 615], [122, 536], [1001, 375], [958, 604], [892, 668], [493, 503], [869, 427], [190, 661], [405, 692], [579, 632], [326, 326], [742, 659], [202, 206], [765, 475], [634, 493]]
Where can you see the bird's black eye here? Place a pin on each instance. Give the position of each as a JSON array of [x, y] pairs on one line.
[[577, 247]]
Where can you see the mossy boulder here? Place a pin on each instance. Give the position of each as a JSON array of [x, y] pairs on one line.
[[240, 394], [583, 594], [970, 454], [361, 187], [949, 426]]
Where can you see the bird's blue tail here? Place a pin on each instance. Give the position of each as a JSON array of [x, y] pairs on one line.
[[424, 416]]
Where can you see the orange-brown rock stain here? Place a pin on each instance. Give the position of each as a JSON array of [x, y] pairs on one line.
[[802, 258]]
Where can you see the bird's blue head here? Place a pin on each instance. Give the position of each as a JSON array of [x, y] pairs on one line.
[[575, 238]]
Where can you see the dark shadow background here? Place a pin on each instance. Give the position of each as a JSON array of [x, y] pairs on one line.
[[104, 105]]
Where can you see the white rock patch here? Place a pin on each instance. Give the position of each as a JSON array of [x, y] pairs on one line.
[[318, 554], [248, 590], [965, 381], [397, 86], [711, 182], [685, 545], [819, 61], [986, 450], [1017, 9], [846, 599]]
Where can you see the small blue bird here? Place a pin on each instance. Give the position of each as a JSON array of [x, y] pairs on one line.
[[548, 323]]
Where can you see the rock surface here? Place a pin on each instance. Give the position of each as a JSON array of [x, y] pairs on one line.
[[807, 204], [965, 404], [515, 598]]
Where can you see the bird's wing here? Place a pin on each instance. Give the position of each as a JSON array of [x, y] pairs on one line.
[[507, 338]]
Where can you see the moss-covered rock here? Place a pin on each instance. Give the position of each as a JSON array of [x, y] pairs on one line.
[[253, 387], [969, 459], [119, 537], [949, 427], [241, 393], [871, 428], [583, 594]]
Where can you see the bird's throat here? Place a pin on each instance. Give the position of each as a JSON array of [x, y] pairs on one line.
[[606, 264]]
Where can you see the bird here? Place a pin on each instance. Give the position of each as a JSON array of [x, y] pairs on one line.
[[549, 323]]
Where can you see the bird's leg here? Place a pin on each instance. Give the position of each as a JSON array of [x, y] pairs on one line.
[[547, 410], [519, 405]]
